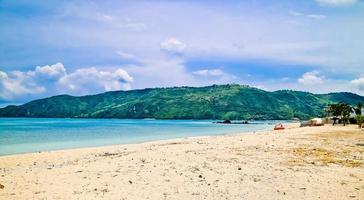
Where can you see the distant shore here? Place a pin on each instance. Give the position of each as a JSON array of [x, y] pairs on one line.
[[297, 163]]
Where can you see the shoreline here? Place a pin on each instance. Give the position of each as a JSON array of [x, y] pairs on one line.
[[144, 142], [297, 163], [96, 148]]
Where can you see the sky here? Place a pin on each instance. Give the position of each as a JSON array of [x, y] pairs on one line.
[[87, 47]]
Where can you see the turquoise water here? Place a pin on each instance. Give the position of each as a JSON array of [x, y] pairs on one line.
[[25, 135]]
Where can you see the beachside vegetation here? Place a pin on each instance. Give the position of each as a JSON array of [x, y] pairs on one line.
[[343, 111]]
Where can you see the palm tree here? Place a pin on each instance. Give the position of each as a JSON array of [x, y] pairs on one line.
[[359, 118], [342, 110], [346, 110], [358, 108]]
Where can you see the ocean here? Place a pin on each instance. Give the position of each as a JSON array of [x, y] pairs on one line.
[[26, 135]]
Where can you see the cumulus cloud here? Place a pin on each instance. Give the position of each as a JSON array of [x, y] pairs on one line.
[[54, 79], [311, 78], [48, 72], [173, 46], [92, 80], [17, 84], [336, 2], [358, 83]]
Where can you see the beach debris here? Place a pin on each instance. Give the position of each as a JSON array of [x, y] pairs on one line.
[[256, 179], [239, 168], [131, 182], [108, 154], [104, 191], [230, 122], [2, 186], [194, 169], [224, 122]]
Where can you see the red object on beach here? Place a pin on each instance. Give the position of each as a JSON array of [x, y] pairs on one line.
[[279, 127]]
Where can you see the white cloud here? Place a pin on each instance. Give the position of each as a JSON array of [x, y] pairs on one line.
[[172, 71], [173, 46], [358, 83], [91, 81], [311, 78], [260, 37], [312, 16], [160, 72], [208, 72], [125, 55], [316, 16], [17, 84], [53, 79], [215, 75], [336, 2], [49, 72]]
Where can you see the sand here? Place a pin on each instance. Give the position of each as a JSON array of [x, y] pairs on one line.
[[297, 163]]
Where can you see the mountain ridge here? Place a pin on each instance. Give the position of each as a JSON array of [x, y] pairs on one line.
[[234, 102]]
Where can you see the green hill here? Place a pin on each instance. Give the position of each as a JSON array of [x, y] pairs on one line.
[[211, 102]]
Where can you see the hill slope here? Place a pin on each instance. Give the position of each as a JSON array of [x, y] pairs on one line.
[[212, 102]]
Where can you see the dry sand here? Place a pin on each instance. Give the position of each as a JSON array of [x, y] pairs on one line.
[[297, 163]]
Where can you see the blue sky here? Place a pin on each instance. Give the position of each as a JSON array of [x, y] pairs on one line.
[[87, 47]]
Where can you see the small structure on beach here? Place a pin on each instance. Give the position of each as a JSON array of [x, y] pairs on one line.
[[316, 122], [313, 122], [279, 127]]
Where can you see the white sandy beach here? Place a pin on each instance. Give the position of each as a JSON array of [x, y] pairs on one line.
[[297, 163]]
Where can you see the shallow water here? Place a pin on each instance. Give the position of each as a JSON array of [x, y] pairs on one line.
[[25, 135]]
